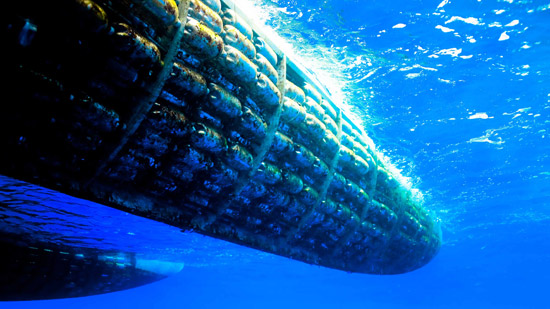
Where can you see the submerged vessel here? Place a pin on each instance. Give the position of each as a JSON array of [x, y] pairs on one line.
[[182, 111]]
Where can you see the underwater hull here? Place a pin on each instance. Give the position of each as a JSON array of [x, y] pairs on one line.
[[39, 271], [162, 113], [56, 246]]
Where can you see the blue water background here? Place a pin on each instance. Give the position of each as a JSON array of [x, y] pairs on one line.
[[457, 95]]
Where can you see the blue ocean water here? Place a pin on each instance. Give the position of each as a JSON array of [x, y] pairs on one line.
[[455, 93]]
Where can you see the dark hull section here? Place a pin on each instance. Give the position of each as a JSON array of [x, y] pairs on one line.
[[58, 246], [47, 271], [185, 114]]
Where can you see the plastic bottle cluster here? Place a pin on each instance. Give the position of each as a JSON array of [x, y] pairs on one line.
[[182, 112]]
